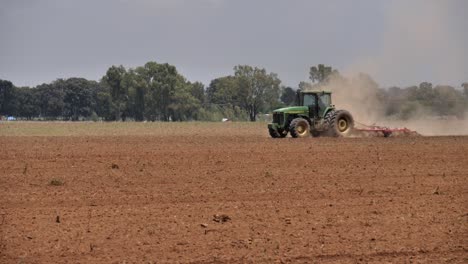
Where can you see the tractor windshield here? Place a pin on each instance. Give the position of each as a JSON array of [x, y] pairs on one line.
[[309, 100], [324, 100]]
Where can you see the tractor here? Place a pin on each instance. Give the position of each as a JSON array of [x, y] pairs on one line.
[[314, 115]]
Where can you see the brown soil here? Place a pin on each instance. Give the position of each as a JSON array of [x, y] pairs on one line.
[[233, 198]]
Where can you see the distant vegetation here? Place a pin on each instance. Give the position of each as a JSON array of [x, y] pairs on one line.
[[157, 92]]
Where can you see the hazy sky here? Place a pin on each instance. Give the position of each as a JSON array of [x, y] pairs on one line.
[[398, 42]]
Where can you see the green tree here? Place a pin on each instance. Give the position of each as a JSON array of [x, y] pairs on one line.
[[7, 103], [448, 101], [321, 73], [159, 81], [288, 96], [425, 93], [223, 91], [135, 86], [78, 98], [103, 103], [304, 86], [184, 106], [27, 102], [197, 90], [258, 90], [223, 99], [51, 100], [119, 94]]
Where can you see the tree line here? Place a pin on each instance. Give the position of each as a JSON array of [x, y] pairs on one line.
[[158, 92]]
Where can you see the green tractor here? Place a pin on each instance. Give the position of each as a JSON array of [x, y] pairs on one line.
[[315, 115]]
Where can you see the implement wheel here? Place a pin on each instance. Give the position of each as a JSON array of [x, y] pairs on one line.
[[299, 128]]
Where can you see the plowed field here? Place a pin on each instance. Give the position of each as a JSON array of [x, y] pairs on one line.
[[229, 193]]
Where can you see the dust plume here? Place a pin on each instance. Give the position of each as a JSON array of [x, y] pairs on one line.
[[357, 94], [422, 41], [361, 96]]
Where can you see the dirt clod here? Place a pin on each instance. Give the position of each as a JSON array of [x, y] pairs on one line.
[[56, 182], [221, 218]]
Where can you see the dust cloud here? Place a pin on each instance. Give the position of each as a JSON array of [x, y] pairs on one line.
[[358, 95], [361, 96], [426, 45], [422, 41]]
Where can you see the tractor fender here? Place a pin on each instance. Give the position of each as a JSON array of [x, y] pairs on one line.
[[291, 117], [303, 116], [328, 110]]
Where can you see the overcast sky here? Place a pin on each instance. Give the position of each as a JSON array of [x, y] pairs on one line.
[[398, 42]]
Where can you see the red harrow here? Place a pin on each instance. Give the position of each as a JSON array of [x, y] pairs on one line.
[[374, 130]]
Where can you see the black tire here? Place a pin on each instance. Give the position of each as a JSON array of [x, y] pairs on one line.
[[273, 133], [340, 123], [282, 133], [299, 128]]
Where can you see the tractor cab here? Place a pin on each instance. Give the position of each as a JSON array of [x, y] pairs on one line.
[[316, 101]]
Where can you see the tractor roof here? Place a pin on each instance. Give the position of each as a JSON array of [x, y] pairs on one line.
[[316, 92]]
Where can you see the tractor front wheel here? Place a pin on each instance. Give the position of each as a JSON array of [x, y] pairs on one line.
[[273, 133], [299, 128], [280, 133]]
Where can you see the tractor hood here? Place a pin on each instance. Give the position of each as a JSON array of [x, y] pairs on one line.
[[292, 110]]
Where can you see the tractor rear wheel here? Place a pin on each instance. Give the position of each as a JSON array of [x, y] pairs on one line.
[[340, 123], [299, 127]]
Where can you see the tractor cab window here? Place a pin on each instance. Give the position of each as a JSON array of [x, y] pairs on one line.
[[309, 100], [324, 100]]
